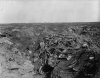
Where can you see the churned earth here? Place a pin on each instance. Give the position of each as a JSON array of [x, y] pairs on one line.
[[50, 50]]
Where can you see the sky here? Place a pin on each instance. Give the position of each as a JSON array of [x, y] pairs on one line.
[[41, 11]]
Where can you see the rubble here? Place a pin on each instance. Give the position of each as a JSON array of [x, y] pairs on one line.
[[30, 53]]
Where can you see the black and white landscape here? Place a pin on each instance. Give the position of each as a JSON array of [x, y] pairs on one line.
[[50, 50]]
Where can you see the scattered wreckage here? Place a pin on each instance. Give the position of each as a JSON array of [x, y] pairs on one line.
[[50, 53]]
